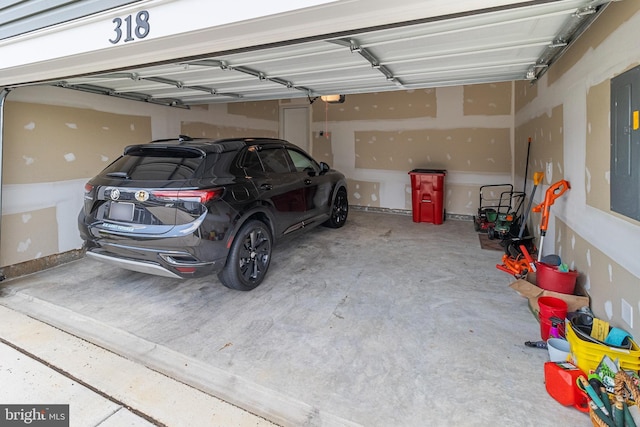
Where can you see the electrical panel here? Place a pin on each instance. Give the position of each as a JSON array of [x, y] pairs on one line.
[[625, 143]]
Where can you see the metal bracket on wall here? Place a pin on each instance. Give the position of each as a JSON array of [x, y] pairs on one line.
[[577, 23], [354, 46]]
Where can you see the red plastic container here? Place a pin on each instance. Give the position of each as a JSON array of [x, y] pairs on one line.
[[550, 307], [548, 277], [560, 381], [427, 195]]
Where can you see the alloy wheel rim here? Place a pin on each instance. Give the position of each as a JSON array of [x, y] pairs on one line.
[[255, 255], [340, 209]]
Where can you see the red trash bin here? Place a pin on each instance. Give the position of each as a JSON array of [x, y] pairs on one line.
[[427, 195]]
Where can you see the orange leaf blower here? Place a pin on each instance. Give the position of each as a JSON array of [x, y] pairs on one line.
[[553, 192]]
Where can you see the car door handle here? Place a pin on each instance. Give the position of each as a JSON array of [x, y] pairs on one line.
[[307, 181], [266, 187]]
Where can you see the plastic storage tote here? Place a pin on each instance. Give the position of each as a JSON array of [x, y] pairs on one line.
[[587, 355], [427, 195]]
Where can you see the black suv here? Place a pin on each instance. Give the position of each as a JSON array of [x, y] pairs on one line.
[[190, 207]]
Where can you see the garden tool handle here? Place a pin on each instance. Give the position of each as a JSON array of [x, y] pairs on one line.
[[527, 256], [553, 192], [584, 385], [537, 177], [501, 267]]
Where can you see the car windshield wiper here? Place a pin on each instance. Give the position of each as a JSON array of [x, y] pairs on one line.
[[122, 175]]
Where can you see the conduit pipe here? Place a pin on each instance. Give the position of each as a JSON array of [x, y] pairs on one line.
[[3, 96]]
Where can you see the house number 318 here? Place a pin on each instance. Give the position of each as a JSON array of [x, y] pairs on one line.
[[127, 28]]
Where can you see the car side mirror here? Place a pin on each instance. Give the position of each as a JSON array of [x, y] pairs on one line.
[[324, 168]]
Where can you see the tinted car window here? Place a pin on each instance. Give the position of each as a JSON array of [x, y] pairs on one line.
[[274, 160], [251, 162], [212, 165], [154, 167], [302, 162]]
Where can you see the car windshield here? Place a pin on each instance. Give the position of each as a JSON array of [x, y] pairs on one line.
[[157, 166]]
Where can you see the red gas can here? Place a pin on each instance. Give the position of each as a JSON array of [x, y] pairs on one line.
[[560, 381]]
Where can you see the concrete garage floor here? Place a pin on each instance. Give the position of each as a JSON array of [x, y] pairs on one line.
[[384, 322]]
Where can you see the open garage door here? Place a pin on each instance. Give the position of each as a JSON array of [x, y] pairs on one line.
[[186, 52], [165, 52]]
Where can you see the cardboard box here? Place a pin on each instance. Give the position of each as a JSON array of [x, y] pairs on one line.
[[529, 290]]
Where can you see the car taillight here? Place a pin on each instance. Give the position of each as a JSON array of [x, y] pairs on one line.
[[88, 191], [201, 196]]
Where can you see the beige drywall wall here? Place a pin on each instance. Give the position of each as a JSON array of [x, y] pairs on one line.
[[572, 106], [597, 164], [379, 106], [48, 153], [379, 138], [321, 147], [265, 110], [474, 149], [29, 235], [363, 193], [467, 196], [525, 92], [546, 153], [606, 281], [208, 130], [487, 99], [44, 143], [216, 124]]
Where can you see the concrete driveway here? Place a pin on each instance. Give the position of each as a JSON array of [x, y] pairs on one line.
[[383, 322]]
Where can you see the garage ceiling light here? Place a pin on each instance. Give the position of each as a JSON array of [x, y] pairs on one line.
[[333, 99]]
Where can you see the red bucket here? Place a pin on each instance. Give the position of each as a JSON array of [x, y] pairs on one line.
[[548, 277], [550, 307]]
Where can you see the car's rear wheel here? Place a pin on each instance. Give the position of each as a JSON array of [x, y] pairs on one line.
[[248, 258], [339, 210]]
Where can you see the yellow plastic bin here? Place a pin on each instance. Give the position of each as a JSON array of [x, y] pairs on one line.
[[587, 355]]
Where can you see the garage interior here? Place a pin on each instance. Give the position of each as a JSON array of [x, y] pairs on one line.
[[460, 87]]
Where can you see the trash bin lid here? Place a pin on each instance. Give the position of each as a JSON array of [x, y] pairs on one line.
[[432, 171]]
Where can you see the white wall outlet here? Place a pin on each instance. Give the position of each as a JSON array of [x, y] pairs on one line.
[[627, 313]]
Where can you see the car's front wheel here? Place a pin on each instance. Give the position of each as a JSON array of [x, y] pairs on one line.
[[339, 210], [248, 258]]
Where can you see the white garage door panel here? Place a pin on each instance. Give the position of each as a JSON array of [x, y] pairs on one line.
[[154, 19], [20, 16], [407, 44]]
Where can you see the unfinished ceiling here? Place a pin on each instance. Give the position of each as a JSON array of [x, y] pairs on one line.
[[502, 44]]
